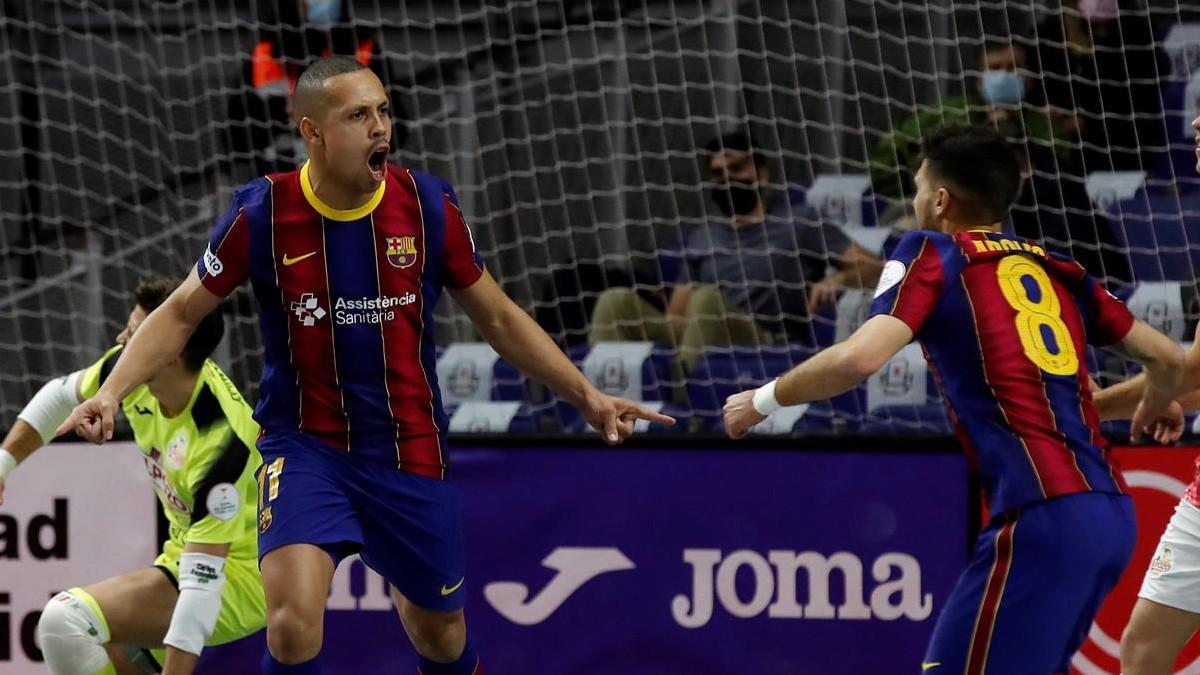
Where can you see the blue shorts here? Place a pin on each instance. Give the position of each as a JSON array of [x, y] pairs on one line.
[[404, 526], [1033, 586]]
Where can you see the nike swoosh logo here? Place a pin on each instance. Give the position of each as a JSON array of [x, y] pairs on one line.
[[927, 666], [447, 591], [288, 262]]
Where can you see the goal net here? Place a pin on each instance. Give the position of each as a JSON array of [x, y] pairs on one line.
[[592, 145]]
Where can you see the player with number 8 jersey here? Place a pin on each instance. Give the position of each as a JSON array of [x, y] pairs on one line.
[[988, 311], [1004, 327]]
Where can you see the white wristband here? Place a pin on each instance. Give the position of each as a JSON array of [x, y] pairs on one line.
[[765, 402], [7, 463]]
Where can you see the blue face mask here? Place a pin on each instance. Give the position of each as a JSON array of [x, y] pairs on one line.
[[323, 13], [1003, 87]]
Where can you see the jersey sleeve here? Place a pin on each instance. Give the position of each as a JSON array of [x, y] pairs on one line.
[[95, 374], [912, 281], [461, 264], [1109, 320], [225, 263]]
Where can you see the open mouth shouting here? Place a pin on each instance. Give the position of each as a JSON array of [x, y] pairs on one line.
[[377, 161]]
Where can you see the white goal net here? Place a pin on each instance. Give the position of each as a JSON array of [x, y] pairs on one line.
[[600, 150]]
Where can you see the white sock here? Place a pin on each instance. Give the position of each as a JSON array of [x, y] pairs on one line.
[[72, 633]]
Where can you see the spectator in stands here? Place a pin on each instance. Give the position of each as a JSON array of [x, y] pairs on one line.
[[750, 276], [1055, 209], [292, 33], [1000, 98], [1101, 72]]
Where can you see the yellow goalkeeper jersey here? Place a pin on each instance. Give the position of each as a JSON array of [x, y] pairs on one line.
[[202, 461]]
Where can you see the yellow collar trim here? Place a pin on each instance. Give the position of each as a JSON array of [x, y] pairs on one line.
[[338, 214]]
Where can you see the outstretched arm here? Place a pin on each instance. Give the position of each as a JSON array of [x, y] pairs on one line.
[[523, 343], [160, 338], [832, 371], [37, 422]]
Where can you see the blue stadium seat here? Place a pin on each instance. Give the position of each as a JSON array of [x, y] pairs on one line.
[[931, 418], [1178, 165], [508, 384], [841, 199], [658, 371], [492, 417], [824, 325], [1162, 231], [462, 379], [722, 372]]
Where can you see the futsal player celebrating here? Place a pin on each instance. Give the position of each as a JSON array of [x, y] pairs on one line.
[[1004, 326], [347, 258]]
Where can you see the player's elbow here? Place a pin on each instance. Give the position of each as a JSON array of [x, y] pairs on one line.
[[858, 363]]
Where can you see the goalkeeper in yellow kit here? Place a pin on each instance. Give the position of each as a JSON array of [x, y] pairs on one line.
[[197, 438]]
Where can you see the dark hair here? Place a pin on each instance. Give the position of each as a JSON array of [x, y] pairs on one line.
[[315, 75], [311, 84], [978, 164], [739, 142], [154, 291]]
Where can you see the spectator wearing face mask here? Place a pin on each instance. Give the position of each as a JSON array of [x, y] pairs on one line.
[[1101, 70], [292, 34], [751, 276], [1002, 96]]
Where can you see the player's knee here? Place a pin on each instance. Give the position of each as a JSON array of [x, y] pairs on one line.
[[293, 636], [71, 634], [67, 616]]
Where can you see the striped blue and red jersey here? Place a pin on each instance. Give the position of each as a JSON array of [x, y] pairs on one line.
[[346, 300], [1004, 327]]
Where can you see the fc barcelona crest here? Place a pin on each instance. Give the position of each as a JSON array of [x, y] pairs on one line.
[[402, 251], [265, 518]]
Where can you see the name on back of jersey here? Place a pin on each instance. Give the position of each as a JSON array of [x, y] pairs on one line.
[[1002, 245]]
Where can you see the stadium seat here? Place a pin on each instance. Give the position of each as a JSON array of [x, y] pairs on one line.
[[1181, 105], [638, 371], [841, 199], [1157, 223], [473, 371], [1182, 47], [905, 380], [930, 418], [1160, 304], [722, 372], [492, 417], [832, 324]]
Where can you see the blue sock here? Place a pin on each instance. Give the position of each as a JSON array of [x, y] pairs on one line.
[[467, 664], [272, 667]]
